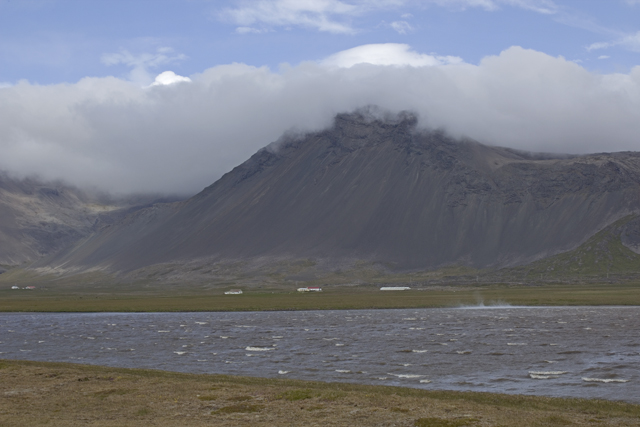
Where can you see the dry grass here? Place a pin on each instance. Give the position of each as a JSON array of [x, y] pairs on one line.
[[56, 394]]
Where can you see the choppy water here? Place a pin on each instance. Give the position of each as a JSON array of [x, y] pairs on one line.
[[561, 351]]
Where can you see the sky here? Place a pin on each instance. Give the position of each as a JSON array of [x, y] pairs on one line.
[[167, 96]]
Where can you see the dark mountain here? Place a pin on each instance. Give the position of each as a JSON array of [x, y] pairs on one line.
[[380, 191], [39, 218]]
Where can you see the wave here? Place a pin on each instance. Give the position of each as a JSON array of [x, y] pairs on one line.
[[259, 348], [604, 380], [406, 375]]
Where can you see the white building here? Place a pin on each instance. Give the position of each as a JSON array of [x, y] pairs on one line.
[[395, 288], [310, 289], [233, 292]]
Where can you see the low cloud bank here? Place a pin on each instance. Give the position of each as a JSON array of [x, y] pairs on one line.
[[182, 136]]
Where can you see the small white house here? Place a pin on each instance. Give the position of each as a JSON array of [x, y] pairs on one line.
[[233, 292], [395, 288], [310, 289], [15, 287]]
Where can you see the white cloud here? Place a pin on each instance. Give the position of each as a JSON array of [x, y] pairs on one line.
[[629, 42], [321, 15], [141, 63], [599, 45], [386, 54], [116, 135], [167, 78], [604, 57], [248, 30], [402, 27], [335, 16], [631, 2], [540, 6]]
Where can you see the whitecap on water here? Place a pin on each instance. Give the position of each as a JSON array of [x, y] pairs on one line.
[[339, 345], [464, 352], [545, 375], [259, 348], [201, 323], [343, 371], [283, 372], [604, 380], [516, 343], [425, 381], [419, 351], [163, 332], [179, 353], [409, 376]]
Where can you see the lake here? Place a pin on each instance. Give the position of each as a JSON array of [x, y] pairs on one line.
[[590, 352]]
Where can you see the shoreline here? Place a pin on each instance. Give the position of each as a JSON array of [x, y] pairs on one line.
[[73, 394], [187, 299]]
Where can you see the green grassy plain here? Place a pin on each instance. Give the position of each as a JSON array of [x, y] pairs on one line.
[[333, 297], [61, 394]]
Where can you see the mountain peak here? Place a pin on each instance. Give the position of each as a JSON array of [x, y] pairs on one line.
[[374, 187]]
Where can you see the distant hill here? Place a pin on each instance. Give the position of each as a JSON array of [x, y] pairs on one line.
[[377, 191], [39, 218]]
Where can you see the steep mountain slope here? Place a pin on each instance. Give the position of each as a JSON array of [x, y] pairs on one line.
[[381, 191], [38, 218]]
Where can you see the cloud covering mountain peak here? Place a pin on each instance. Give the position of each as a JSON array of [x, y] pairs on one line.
[[119, 136]]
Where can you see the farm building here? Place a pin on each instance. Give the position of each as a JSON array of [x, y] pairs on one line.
[[233, 292], [395, 288], [310, 289]]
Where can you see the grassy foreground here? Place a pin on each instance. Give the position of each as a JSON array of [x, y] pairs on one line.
[[59, 394], [167, 300]]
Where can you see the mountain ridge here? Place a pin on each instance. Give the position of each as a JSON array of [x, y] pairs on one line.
[[39, 218], [382, 191]]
